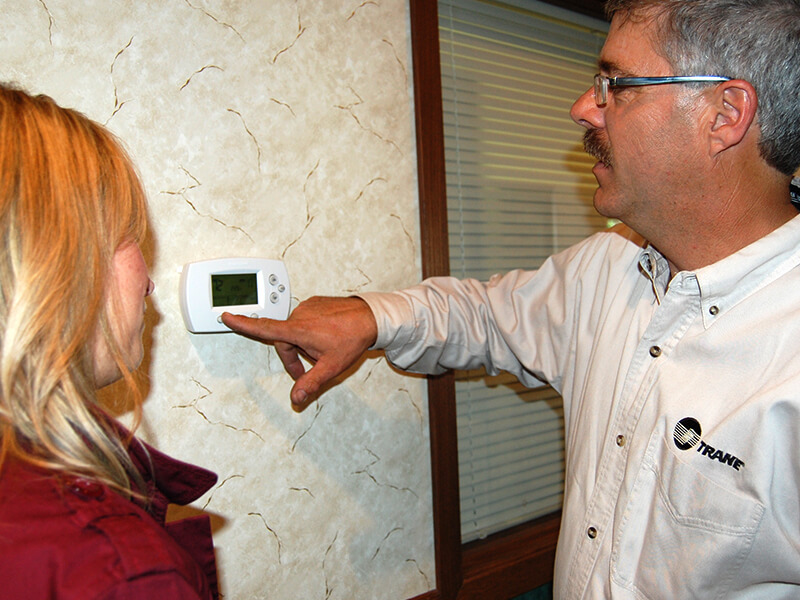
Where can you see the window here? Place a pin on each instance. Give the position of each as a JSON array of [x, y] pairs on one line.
[[510, 562], [519, 188]]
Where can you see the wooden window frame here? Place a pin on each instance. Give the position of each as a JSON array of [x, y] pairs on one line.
[[519, 559]]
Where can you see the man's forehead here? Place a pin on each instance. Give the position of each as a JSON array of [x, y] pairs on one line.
[[629, 51]]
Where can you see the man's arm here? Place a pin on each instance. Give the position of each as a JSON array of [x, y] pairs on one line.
[[440, 324], [521, 322]]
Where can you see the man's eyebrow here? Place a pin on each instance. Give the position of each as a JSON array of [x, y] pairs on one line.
[[611, 68]]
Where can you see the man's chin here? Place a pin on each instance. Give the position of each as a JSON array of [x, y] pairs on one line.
[[605, 203]]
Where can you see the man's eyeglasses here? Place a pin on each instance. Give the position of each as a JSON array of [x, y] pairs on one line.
[[602, 83]]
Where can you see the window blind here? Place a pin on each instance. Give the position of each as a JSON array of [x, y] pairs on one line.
[[519, 187]]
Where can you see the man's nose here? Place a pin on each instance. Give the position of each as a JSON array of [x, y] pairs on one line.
[[585, 111]]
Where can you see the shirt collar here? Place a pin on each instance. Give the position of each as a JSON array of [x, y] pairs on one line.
[[179, 481], [168, 480], [722, 285]]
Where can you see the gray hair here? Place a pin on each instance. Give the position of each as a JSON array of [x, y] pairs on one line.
[[754, 40]]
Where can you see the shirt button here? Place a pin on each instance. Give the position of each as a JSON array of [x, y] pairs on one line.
[[655, 351], [85, 489], [591, 532], [714, 310], [620, 440]]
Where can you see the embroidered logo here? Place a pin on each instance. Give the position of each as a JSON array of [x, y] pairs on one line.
[[688, 434]]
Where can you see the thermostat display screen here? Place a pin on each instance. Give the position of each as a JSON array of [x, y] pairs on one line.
[[234, 290]]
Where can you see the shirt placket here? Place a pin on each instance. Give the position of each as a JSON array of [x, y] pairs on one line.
[[677, 309]]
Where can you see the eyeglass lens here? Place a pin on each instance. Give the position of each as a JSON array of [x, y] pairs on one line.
[[600, 90]]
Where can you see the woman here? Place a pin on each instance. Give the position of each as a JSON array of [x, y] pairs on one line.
[[82, 502]]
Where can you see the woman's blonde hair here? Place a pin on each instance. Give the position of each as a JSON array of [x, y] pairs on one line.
[[69, 196]]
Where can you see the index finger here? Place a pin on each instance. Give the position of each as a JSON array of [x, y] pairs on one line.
[[266, 330]]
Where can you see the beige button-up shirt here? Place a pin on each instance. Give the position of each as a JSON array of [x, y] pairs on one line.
[[681, 401]]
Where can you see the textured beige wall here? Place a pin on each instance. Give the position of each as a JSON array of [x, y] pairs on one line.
[[280, 129]]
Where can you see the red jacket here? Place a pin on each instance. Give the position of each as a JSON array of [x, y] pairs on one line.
[[67, 538]]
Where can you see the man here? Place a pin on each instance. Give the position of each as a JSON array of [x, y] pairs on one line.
[[677, 357]]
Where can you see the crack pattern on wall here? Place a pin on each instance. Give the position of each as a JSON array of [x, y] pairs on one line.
[[280, 129]]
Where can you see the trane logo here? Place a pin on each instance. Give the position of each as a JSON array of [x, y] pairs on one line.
[[687, 435]]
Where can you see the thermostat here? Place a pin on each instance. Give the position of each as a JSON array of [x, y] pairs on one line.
[[255, 287]]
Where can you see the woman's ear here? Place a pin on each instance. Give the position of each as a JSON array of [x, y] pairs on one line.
[[733, 104]]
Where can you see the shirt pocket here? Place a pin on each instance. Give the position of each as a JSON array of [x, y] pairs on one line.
[[681, 534]]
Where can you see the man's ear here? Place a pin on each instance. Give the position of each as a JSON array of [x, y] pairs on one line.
[[733, 104]]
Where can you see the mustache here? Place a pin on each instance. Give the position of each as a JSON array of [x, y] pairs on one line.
[[597, 146]]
